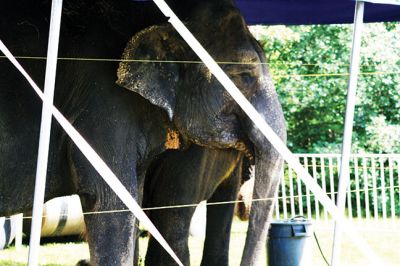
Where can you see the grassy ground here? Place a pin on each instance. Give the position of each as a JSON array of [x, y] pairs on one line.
[[382, 236]]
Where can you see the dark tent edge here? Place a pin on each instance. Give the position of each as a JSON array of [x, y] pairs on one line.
[[303, 12]]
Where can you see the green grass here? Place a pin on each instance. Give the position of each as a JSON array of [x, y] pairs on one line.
[[50, 254], [382, 236]]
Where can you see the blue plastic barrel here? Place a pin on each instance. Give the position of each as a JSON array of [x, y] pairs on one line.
[[290, 243]]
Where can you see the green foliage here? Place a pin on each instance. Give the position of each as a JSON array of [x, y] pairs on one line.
[[383, 137], [310, 66]]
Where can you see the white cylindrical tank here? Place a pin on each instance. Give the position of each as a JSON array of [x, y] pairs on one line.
[[63, 216]]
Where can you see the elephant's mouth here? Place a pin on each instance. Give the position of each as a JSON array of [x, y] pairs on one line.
[[228, 141], [247, 148]]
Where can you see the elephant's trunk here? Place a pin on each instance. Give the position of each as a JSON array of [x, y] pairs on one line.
[[268, 165]]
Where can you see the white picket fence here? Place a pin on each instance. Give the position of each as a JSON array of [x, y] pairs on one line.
[[373, 191]]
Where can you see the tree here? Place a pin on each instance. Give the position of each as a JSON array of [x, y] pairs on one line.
[[310, 68]]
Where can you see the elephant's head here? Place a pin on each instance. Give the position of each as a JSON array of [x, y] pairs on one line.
[[199, 106]]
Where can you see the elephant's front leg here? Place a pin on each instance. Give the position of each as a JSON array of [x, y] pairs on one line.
[[110, 232], [219, 221], [111, 238]]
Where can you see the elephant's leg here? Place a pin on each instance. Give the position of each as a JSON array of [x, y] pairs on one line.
[[111, 238], [185, 178], [173, 180], [174, 225], [110, 235], [219, 221]]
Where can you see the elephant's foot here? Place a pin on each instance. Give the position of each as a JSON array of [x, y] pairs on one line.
[[85, 262], [111, 239]]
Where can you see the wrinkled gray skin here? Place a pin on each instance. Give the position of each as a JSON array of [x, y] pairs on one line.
[[212, 118], [188, 177]]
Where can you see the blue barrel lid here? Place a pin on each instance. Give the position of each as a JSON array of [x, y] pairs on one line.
[[294, 220], [295, 227]]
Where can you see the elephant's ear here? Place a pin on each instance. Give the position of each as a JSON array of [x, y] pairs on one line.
[[144, 69]]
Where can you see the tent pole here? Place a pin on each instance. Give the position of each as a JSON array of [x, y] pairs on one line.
[[348, 128], [45, 128]]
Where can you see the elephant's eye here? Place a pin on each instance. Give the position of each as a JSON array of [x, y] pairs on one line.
[[247, 78]]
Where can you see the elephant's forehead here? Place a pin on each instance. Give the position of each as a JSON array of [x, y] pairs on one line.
[[236, 54]]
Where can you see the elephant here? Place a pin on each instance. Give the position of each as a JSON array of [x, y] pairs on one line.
[[130, 128], [189, 177], [223, 124]]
